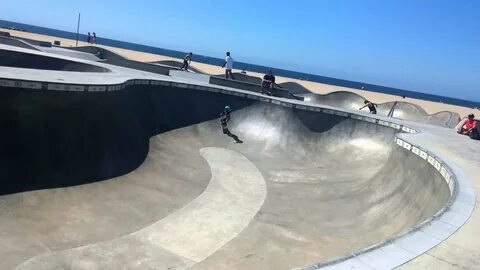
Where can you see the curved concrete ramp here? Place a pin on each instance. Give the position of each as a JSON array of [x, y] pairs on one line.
[[295, 88], [234, 195], [412, 112], [20, 59], [340, 99], [446, 118], [401, 110], [332, 186], [116, 59], [17, 43]]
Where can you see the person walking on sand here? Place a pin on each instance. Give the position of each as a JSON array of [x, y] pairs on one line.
[[228, 66], [224, 119], [186, 61], [94, 38], [89, 38], [371, 106]]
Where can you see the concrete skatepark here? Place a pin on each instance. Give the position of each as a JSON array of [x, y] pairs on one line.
[[135, 173]]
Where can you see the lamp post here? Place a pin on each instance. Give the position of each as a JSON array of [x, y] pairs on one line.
[[78, 29]]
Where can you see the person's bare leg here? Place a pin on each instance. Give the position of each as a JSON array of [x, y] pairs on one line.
[[231, 75], [226, 74]]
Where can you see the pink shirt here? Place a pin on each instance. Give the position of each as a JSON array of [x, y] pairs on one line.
[[470, 124], [466, 124]]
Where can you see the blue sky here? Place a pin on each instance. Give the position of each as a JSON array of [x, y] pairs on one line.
[[430, 46]]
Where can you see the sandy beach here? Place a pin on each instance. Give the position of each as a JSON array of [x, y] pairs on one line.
[[429, 106]]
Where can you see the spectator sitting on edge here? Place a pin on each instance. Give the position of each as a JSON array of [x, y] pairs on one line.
[[467, 126], [267, 83]]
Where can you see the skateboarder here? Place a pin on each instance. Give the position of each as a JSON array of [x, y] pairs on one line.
[[186, 61], [371, 106], [224, 118]]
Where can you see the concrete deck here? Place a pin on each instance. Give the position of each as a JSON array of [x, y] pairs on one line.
[[313, 186]]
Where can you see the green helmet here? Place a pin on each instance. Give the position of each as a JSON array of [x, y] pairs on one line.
[[227, 107]]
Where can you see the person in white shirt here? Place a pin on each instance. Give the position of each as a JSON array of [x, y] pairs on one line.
[[228, 66]]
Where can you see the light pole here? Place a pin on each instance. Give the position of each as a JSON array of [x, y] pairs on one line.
[[78, 29]]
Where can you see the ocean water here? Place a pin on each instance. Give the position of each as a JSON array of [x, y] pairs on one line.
[[241, 65]]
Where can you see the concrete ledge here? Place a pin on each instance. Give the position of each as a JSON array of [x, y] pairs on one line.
[[15, 42], [277, 92], [190, 76], [33, 60], [36, 42]]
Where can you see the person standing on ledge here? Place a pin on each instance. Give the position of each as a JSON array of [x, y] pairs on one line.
[[371, 106], [228, 66], [224, 119], [186, 61], [89, 38], [268, 82], [94, 38]]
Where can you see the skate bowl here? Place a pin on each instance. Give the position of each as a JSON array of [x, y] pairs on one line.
[[21, 59], [396, 109], [125, 174]]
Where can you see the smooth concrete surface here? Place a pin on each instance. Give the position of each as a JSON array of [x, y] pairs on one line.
[[70, 53], [15, 59], [400, 110], [292, 228], [286, 225], [233, 196], [243, 77], [189, 75], [256, 88], [16, 42], [178, 65], [118, 60]]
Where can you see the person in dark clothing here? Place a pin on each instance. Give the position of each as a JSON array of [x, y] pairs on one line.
[[186, 61], [371, 106], [224, 119], [268, 82], [89, 38]]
